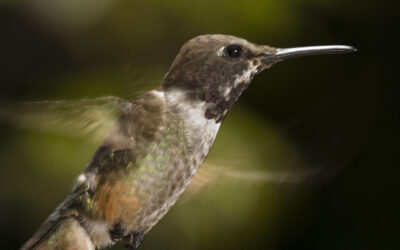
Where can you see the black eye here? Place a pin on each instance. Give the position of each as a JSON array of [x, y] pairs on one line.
[[234, 50]]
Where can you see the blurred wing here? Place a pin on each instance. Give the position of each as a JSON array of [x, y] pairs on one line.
[[209, 173], [85, 117]]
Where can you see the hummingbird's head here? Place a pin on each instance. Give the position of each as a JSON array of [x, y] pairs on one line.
[[217, 68]]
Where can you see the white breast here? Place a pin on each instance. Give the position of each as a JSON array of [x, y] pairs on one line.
[[200, 131]]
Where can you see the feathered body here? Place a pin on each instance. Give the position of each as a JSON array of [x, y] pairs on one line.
[[139, 171]]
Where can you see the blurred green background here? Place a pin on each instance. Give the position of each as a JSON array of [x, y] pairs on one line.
[[307, 159]]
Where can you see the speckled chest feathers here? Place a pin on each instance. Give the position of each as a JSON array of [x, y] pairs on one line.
[[145, 164]]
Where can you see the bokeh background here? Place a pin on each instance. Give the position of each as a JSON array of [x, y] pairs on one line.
[[307, 159]]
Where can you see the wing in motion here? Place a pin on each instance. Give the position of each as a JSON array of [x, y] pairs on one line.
[[85, 117]]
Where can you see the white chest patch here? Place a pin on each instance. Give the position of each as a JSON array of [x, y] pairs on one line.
[[200, 131]]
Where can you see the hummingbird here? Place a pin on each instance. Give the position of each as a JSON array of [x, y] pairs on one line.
[[158, 143]]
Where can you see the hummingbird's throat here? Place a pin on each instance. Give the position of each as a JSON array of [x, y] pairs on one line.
[[221, 98]]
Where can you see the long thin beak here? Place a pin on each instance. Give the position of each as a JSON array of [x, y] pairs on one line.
[[312, 50]]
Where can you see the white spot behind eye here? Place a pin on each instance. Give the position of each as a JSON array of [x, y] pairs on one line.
[[221, 51]]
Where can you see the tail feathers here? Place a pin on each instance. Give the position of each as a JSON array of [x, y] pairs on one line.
[[60, 232]]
